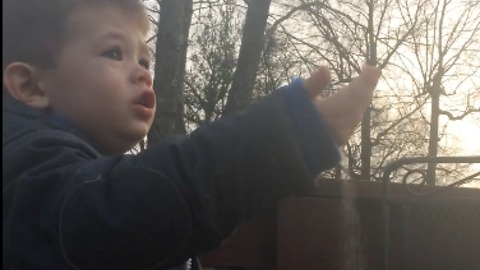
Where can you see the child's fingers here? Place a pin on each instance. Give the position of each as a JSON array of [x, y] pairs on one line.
[[365, 83], [317, 81], [344, 110]]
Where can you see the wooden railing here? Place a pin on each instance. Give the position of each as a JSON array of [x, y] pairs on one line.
[[325, 230]]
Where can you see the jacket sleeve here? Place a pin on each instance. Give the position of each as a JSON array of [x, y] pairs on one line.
[[179, 198]]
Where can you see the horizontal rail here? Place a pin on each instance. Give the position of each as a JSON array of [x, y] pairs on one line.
[[395, 165]]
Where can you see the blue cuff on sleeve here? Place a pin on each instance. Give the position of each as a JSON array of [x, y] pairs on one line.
[[316, 141]]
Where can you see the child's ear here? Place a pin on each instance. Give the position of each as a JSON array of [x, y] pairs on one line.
[[21, 81]]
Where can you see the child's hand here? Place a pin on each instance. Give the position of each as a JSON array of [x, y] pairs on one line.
[[344, 110]]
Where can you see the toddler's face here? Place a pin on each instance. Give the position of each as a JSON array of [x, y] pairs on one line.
[[101, 82]]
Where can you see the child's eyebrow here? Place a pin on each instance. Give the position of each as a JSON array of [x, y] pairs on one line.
[[113, 35]]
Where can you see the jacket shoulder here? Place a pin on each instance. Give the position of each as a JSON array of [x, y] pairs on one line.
[[47, 137], [44, 150]]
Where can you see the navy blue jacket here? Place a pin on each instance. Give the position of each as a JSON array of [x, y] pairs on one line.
[[68, 206]]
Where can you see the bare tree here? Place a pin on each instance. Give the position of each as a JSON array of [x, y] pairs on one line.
[[170, 59], [212, 61], [359, 33], [251, 49], [282, 39], [445, 56]]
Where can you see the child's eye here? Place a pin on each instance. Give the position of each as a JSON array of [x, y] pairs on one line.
[[115, 54], [145, 63]]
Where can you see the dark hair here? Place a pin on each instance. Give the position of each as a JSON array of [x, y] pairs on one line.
[[34, 30]]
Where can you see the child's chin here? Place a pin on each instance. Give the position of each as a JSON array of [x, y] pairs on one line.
[[139, 130]]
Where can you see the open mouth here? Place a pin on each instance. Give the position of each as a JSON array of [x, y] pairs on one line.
[[147, 100], [144, 105]]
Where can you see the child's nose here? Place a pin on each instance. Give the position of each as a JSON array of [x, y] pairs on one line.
[[142, 75]]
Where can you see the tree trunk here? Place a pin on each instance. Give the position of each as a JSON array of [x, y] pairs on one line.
[[249, 57], [372, 59], [187, 20], [435, 92], [171, 48], [366, 146]]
